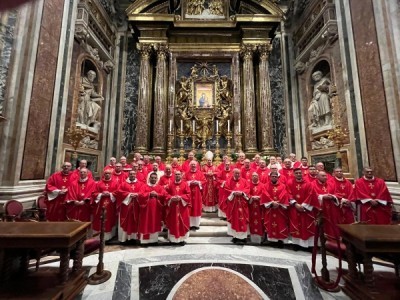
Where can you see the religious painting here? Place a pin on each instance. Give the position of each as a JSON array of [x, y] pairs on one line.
[[206, 9], [92, 160], [204, 95]]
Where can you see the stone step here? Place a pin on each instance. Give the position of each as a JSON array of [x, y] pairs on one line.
[[209, 214], [210, 231], [207, 221], [209, 240]]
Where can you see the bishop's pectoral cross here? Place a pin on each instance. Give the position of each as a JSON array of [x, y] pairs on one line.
[[82, 186], [290, 173], [193, 176], [255, 189], [107, 186]]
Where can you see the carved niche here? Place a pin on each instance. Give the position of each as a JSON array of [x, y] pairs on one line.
[[204, 101]]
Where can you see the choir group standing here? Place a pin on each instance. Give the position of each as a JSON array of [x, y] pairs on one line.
[[278, 202]]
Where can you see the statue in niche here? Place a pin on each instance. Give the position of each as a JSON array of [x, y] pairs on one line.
[[319, 111], [89, 109], [225, 91], [183, 91]]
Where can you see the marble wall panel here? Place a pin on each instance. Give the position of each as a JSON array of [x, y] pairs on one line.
[[278, 104], [373, 97], [37, 133], [131, 98], [7, 27]]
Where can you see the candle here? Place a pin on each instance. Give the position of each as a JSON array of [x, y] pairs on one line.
[[217, 126], [194, 126], [229, 125], [239, 126], [170, 126], [181, 125]]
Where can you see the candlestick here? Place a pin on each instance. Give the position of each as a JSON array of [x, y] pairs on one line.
[[194, 125], [182, 126], [239, 127], [229, 126], [217, 126], [170, 126]]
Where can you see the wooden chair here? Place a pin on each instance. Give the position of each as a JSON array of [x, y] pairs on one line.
[[13, 210]]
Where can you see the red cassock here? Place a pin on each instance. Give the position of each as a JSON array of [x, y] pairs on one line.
[[195, 191], [247, 173], [175, 168], [309, 178], [304, 170], [254, 165], [78, 200], [161, 166], [150, 210], [55, 201], [302, 224], [375, 189], [109, 167], [287, 173], [262, 174], [166, 180], [330, 208], [344, 190], [186, 165], [237, 208], [222, 177], [119, 177], [256, 210], [276, 220], [141, 175], [210, 190], [128, 207], [239, 165], [147, 168], [267, 179], [126, 169], [178, 212], [107, 201]]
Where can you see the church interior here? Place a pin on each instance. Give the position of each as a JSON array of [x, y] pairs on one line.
[[90, 80]]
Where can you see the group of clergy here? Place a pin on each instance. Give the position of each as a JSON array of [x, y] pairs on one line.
[[274, 202]]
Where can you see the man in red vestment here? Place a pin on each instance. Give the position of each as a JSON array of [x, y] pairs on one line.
[[246, 171], [262, 170], [256, 211], [276, 201], [161, 165], [119, 175], [178, 213], [167, 178], [240, 163], [295, 163], [256, 162], [78, 197], [302, 211], [222, 164], [376, 202], [56, 189], [237, 207], [156, 171], [210, 190], [127, 203], [287, 169], [104, 195], [222, 177], [175, 165], [186, 164], [304, 165], [344, 191], [196, 180], [151, 202], [330, 205], [273, 161], [82, 164], [321, 167], [111, 165], [125, 166], [274, 169], [141, 174], [312, 174], [147, 165]]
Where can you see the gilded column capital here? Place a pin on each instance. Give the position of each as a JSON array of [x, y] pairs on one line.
[[162, 50], [264, 50], [145, 50], [247, 51]]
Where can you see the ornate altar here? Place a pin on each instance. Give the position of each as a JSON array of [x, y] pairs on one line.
[[203, 105]]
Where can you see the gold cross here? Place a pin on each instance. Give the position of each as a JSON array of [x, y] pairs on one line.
[[274, 224], [255, 189], [289, 173], [107, 186]]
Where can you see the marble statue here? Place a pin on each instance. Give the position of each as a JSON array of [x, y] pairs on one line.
[[89, 109], [195, 7], [319, 111]]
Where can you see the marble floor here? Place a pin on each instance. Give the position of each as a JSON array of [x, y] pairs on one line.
[[220, 271]]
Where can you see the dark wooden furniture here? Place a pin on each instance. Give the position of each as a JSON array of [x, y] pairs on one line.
[[370, 241], [18, 239]]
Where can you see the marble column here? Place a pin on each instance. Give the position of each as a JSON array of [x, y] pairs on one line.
[[265, 101], [249, 120], [160, 100], [144, 105]]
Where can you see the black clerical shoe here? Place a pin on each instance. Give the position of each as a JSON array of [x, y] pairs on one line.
[[182, 243], [234, 240]]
